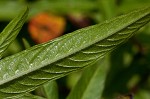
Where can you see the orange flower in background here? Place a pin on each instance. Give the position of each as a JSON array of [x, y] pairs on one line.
[[44, 27]]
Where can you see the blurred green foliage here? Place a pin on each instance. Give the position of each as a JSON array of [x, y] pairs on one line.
[[129, 71]]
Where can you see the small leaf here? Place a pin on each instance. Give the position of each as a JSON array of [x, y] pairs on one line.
[[30, 96], [142, 94], [92, 82], [26, 43], [51, 90], [39, 64], [12, 30]]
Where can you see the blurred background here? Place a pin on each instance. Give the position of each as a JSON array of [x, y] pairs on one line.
[[129, 73]]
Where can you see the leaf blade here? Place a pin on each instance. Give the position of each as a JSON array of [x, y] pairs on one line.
[[39, 64], [30, 96], [51, 90], [11, 30], [92, 82]]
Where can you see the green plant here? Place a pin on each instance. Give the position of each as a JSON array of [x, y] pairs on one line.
[[25, 71]]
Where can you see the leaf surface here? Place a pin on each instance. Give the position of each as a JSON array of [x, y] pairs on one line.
[[92, 82], [39, 64], [11, 30], [51, 90], [30, 96]]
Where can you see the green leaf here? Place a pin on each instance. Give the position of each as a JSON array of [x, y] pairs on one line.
[[92, 82], [65, 6], [26, 43], [30, 96], [51, 90], [108, 8], [8, 8], [39, 64], [142, 94], [11, 31]]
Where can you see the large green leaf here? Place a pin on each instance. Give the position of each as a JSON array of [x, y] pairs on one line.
[[30, 96], [92, 82], [39, 64], [12, 30]]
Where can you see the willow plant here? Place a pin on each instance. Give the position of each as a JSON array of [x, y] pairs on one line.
[[23, 72]]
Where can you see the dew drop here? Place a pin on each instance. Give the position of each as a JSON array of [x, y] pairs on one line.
[[56, 47], [27, 61], [30, 65], [17, 71], [9, 67], [5, 76]]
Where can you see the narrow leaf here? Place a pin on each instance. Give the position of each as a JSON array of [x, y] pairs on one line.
[[142, 94], [92, 82], [26, 43], [12, 30], [51, 90], [39, 64]]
